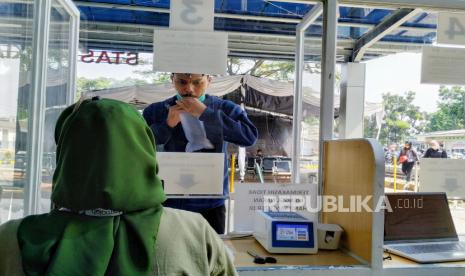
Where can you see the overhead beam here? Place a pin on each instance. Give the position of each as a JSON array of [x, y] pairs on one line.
[[120, 7], [231, 33], [145, 26], [436, 5], [236, 16], [159, 10], [145, 32], [309, 2], [391, 23], [433, 5]]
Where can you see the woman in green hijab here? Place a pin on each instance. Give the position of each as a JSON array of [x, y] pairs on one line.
[[109, 219]]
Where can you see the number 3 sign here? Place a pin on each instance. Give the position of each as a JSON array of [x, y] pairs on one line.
[[192, 15], [451, 28]]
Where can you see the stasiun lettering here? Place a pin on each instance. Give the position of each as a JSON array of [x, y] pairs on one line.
[[129, 58]]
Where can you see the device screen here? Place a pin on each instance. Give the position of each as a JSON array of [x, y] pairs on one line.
[[291, 232]]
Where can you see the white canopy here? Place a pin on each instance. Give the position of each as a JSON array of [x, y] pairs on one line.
[[220, 86]]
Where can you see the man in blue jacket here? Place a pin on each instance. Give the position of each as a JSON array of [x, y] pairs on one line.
[[224, 122]]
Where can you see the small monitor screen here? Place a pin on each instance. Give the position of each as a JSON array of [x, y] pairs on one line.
[[268, 163], [292, 232], [282, 166], [251, 162]]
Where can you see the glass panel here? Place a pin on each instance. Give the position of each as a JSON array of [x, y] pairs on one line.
[[56, 93], [15, 77], [415, 112]]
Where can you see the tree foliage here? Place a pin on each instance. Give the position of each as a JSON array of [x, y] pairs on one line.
[[450, 113], [154, 77], [276, 70], [370, 130], [85, 85], [401, 121]]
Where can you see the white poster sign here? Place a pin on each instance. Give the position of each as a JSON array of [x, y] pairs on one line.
[[192, 15], [190, 51], [250, 198], [185, 173], [9, 78], [443, 175], [451, 28], [443, 65]]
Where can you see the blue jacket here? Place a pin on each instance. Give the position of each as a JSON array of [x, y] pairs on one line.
[[224, 121]]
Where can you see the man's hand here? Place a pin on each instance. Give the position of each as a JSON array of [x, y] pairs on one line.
[[192, 106], [173, 118]]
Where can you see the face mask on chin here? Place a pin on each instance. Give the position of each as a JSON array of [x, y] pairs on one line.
[[201, 98]]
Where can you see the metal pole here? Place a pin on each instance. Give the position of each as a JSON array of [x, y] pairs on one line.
[[231, 175], [394, 160], [309, 18], [328, 67], [37, 95]]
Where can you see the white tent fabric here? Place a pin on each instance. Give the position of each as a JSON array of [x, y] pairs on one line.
[[151, 93], [220, 86], [281, 89], [310, 96]]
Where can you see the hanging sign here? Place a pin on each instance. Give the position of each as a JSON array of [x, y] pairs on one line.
[[443, 65], [190, 45], [190, 52], [451, 28], [192, 15]]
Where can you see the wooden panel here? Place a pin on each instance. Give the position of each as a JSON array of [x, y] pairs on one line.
[[349, 170], [323, 258]]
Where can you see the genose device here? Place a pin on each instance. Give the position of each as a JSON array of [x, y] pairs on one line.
[[285, 232]]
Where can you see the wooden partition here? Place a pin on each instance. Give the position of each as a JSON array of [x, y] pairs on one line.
[[355, 168]]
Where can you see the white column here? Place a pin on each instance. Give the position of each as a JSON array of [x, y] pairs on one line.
[[42, 10], [352, 101], [5, 140], [328, 69]]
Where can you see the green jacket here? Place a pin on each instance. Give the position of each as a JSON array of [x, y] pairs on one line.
[[186, 245]]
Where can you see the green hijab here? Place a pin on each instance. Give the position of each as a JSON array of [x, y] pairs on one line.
[[107, 193]]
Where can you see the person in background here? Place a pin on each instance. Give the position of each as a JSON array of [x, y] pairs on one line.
[[224, 122], [259, 157], [435, 151], [109, 218], [407, 157]]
